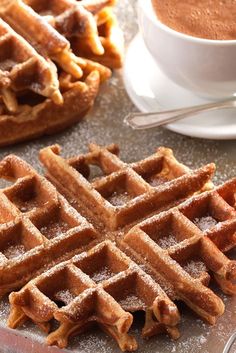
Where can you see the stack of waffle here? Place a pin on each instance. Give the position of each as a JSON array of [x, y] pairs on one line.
[[139, 236], [53, 57]]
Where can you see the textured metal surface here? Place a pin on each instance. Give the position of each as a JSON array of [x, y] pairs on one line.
[[104, 125]]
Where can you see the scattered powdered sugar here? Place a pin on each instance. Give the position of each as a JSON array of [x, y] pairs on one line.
[[131, 302], [14, 251], [167, 241], [54, 228], [195, 267], [143, 267], [102, 275], [157, 180], [5, 183], [205, 223], [4, 310], [65, 296], [28, 205], [192, 345], [202, 339], [104, 125], [119, 199], [94, 341]]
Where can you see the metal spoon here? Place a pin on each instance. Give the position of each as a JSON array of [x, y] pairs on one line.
[[139, 121], [230, 343]]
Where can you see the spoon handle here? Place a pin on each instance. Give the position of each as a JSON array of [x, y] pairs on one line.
[[230, 343], [139, 121]]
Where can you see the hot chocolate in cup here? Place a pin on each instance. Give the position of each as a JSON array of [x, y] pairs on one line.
[[207, 67]]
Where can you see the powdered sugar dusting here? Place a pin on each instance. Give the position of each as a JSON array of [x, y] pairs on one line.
[[205, 223], [94, 341], [195, 267], [65, 296], [102, 275], [14, 251], [167, 241], [157, 180], [54, 228], [104, 125], [131, 302], [119, 199], [28, 205]]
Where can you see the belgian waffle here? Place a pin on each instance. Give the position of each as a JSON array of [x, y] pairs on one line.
[[183, 244], [127, 192], [102, 285], [110, 35], [139, 257], [37, 225], [20, 64], [40, 34]]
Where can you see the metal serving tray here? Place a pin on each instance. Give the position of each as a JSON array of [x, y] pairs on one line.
[[104, 125]]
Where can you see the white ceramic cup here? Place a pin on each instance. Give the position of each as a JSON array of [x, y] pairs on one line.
[[205, 67]]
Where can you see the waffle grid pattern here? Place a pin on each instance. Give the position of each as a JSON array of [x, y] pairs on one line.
[[158, 254], [126, 192], [97, 286], [181, 248], [37, 225]]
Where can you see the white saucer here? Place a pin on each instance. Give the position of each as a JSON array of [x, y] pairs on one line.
[[150, 90]]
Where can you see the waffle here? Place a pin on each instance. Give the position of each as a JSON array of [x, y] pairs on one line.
[[102, 285], [138, 257], [37, 225], [110, 35], [41, 34], [47, 118], [20, 63], [127, 192], [183, 244], [74, 19]]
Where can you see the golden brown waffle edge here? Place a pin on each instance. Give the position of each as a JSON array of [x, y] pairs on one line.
[[127, 265], [49, 28]]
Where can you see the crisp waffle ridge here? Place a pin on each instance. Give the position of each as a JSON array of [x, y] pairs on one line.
[[37, 225], [160, 232]]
